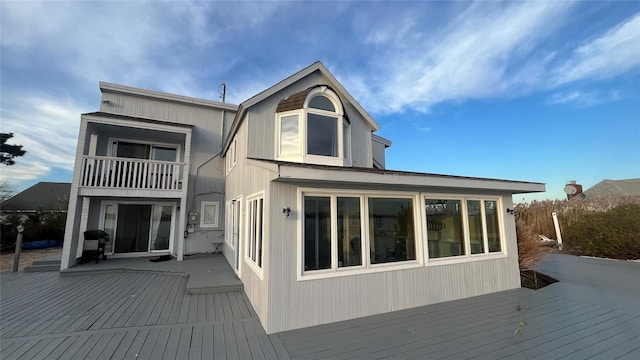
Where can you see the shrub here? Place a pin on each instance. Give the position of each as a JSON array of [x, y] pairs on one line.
[[37, 226], [612, 234]]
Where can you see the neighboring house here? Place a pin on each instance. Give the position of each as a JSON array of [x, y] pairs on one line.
[[43, 196], [614, 188], [293, 180]]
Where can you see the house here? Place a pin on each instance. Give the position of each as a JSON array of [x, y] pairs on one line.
[[613, 188], [292, 186], [43, 196]]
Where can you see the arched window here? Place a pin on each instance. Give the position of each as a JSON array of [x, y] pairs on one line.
[[312, 128]]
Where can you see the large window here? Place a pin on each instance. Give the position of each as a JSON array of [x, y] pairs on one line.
[[318, 132], [255, 233], [460, 227], [334, 225]]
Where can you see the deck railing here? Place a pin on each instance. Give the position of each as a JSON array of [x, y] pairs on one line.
[[125, 173]]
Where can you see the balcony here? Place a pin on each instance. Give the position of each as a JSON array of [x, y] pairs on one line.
[[116, 173]]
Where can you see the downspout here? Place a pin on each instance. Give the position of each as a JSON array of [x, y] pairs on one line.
[[194, 194]]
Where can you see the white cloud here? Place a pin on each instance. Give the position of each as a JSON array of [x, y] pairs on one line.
[[48, 130], [583, 99], [488, 50], [473, 56], [606, 56]]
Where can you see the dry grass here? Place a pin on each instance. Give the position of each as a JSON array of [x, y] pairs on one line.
[[537, 214], [530, 249]]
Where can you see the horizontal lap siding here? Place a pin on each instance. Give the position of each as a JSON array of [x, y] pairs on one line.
[[295, 304]]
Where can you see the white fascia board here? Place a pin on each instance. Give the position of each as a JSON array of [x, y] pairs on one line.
[[116, 88], [381, 140], [303, 174], [150, 124]]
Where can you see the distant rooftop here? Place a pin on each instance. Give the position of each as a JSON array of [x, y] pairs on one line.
[[41, 196], [607, 188]]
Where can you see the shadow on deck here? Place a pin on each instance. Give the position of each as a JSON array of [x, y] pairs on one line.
[[208, 273]]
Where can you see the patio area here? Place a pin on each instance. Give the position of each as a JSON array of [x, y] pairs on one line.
[[207, 273], [592, 312]]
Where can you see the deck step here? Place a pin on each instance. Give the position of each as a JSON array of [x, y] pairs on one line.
[[214, 289], [42, 268], [47, 262]]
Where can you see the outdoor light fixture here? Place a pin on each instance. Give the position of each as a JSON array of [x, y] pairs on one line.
[[286, 212], [511, 211]]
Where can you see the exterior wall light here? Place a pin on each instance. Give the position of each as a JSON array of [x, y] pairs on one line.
[[286, 212]]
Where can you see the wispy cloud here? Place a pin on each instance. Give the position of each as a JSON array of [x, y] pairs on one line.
[[487, 50], [605, 56], [48, 130], [583, 99]]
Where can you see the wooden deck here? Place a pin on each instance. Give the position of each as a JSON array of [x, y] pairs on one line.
[[147, 315], [126, 315]]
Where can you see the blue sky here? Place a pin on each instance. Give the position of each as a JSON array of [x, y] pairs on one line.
[[536, 91]]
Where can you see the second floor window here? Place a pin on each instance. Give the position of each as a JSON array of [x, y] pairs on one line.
[[317, 132]]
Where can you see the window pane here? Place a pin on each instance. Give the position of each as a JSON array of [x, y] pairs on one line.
[[493, 225], [110, 215], [475, 226], [210, 214], [391, 230], [164, 153], [289, 136], [349, 244], [322, 135], [317, 233], [160, 227], [444, 228], [322, 103], [133, 150]]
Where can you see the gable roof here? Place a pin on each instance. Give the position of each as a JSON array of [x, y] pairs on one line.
[[41, 196], [626, 187], [316, 66]]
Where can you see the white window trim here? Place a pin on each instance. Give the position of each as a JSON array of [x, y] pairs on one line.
[[420, 229], [249, 241], [216, 223], [465, 221], [103, 207], [366, 267], [111, 149], [302, 155]]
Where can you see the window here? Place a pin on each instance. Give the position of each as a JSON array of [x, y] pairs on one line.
[[461, 227], [392, 237], [317, 132], [209, 214], [333, 231], [255, 234]]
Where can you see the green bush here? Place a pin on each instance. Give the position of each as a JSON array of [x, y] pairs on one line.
[[612, 234]]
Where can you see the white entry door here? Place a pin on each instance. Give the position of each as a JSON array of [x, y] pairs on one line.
[[235, 221]]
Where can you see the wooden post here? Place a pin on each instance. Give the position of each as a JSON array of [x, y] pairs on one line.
[[556, 225], [16, 256]]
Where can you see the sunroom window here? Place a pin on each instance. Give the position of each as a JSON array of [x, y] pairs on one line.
[[312, 128]]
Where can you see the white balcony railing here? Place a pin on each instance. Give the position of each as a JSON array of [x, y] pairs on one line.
[[125, 173]]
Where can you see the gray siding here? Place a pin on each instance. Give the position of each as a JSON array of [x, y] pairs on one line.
[[361, 152], [379, 153], [295, 304], [244, 180]]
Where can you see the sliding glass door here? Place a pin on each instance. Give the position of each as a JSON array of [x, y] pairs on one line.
[[135, 227]]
